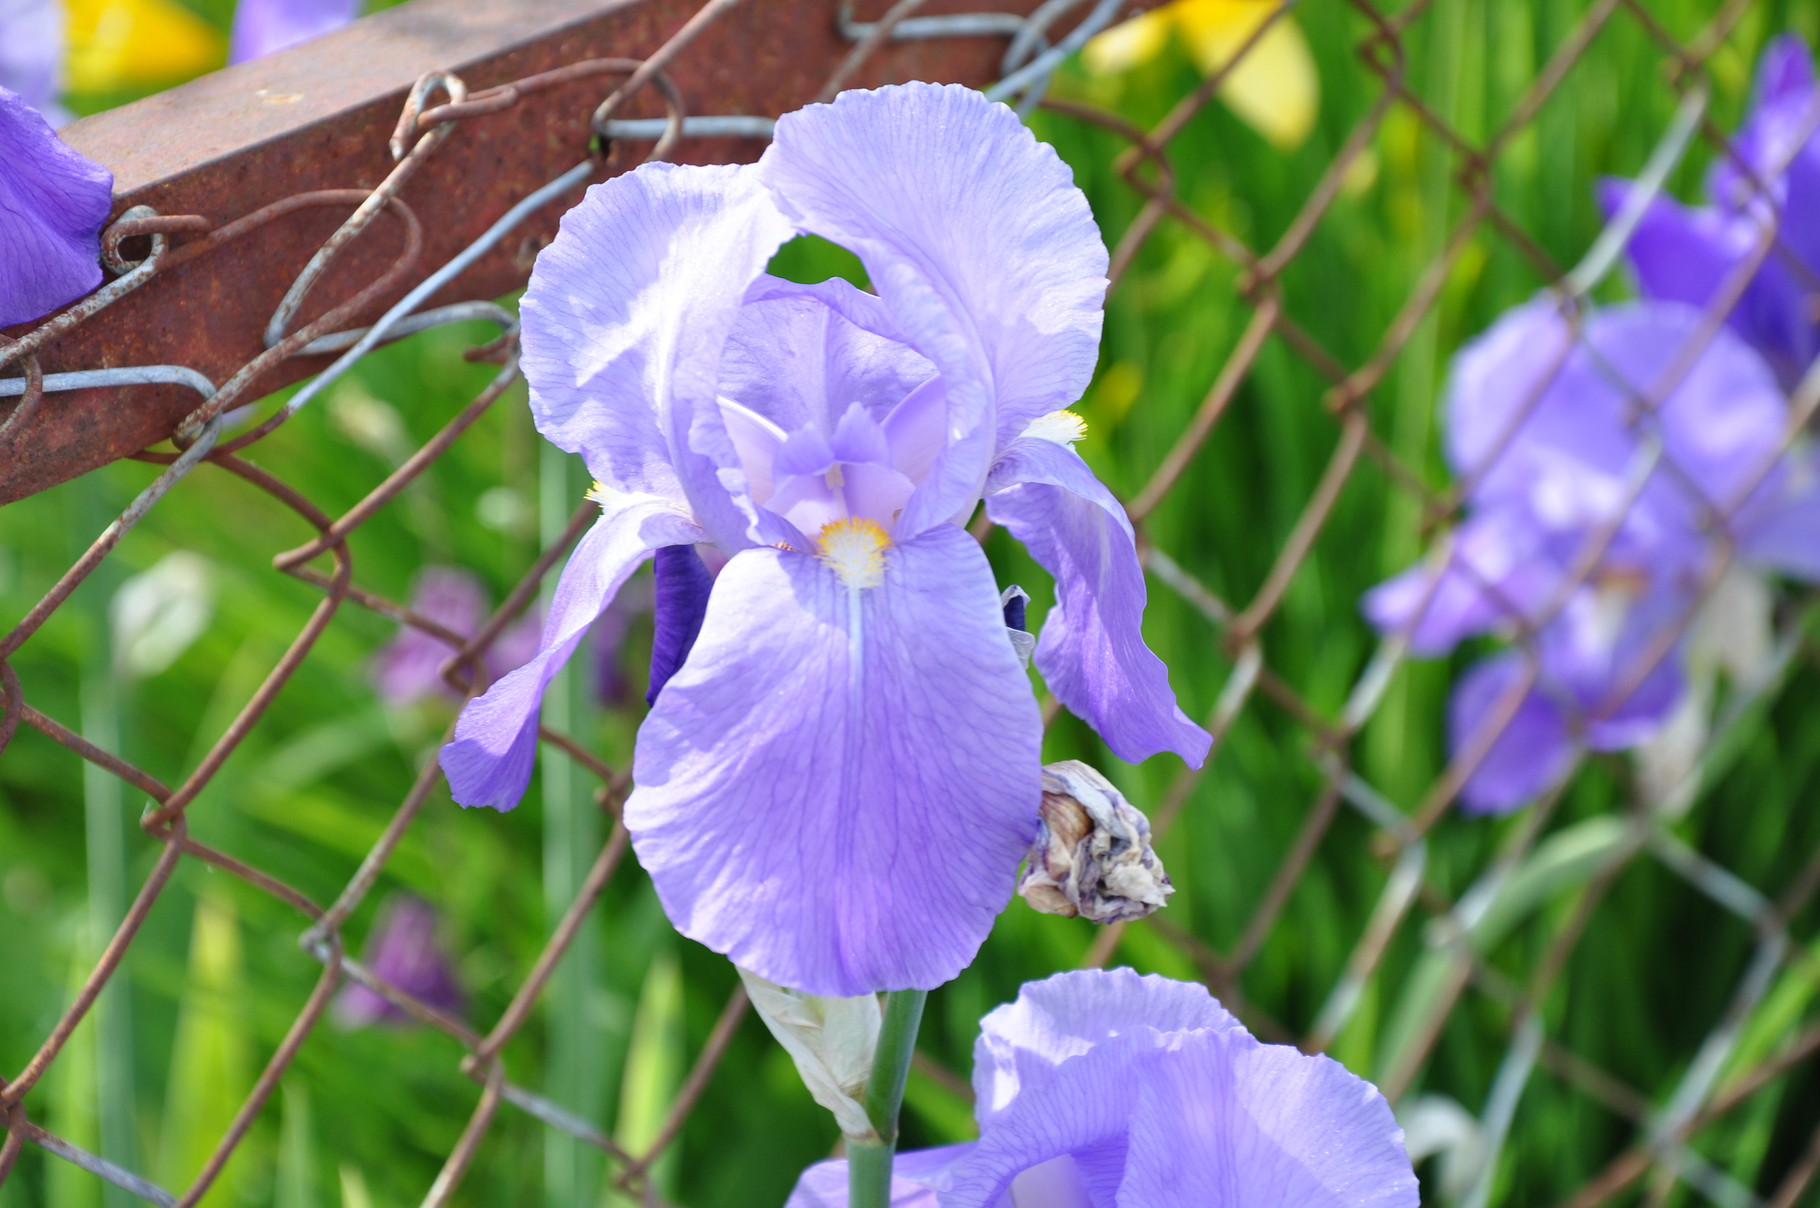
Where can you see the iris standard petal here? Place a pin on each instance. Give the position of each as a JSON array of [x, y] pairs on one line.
[[1082, 1110], [679, 604], [914, 1176], [1067, 1015], [976, 238], [802, 354], [264, 26], [837, 787], [1529, 754], [625, 320], [1223, 1121], [52, 205], [1688, 255], [1091, 649], [1784, 74], [1679, 254], [489, 761]]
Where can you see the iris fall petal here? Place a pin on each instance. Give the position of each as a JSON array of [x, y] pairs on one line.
[[1091, 649], [53, 202], [489, 761], [836, 788]]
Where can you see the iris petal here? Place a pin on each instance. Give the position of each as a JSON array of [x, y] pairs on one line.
[[977, 240], [1064, 1016], [1091, 650], [837, 787], [1679, 254], [52, 204], [31, 52], [914, 1176], [264, 26], [625, 321], [680, 603], [489, 761], [802, 354], [1494, 574], [1529, 754], [1293, 1131]]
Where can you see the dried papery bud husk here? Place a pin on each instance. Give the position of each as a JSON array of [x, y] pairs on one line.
[[1092, 856], [832, 1041]]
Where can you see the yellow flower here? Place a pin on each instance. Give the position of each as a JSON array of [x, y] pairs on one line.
[[1274, 88], [117, 45]]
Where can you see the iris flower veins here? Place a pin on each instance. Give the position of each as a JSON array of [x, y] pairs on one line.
[[836, 785], [1104, 1089]]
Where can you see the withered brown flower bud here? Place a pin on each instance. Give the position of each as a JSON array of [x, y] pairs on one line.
[[1092, 856]]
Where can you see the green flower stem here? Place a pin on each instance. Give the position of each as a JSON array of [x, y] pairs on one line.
[[869, 1173], [869, 1160]]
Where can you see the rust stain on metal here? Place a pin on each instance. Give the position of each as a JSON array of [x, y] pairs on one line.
[[316, 117]]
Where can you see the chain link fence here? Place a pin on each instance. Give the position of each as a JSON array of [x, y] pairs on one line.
[[1454, 936]]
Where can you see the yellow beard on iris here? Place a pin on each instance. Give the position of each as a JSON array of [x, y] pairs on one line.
[[855, 549]]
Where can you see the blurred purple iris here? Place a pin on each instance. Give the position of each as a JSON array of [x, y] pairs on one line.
[[262, 27], [1559, 442], [404, 953], [1687, 254], [52, 205], [409, 667], [1103, 1089], [837, 784], [31, 51]]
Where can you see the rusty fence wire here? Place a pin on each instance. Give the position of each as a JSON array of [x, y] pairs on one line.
[[1667, 1117]]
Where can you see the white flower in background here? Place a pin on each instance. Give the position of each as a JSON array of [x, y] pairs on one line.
[[159, 613]]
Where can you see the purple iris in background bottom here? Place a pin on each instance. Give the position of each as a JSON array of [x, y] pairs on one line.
[[1567, 445], [402, 952], [1104, 1089], [52, 204], [262, 27]]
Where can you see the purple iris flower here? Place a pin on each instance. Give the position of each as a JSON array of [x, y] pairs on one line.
[[262, 27], [52, 204], [403, 952], [1556, 446], [1686, 254], [836, 786], [31, 50], [1104, 1089], [410, 666]]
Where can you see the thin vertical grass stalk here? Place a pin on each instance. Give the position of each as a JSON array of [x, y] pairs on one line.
[[572, 835], [104, 828]]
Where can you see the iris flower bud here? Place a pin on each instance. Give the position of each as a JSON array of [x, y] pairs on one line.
[[1092, 855]]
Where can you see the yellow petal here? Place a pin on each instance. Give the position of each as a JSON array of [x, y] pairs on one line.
[[1274, 89], [124, 44], [1215, 29], [1129, 43]]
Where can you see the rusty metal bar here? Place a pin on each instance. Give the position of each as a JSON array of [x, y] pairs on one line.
[[232, 143]]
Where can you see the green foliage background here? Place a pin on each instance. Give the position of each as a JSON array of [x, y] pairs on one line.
[[365, 1117]]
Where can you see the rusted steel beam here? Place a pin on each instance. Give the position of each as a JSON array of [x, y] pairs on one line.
[[317, 117]]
